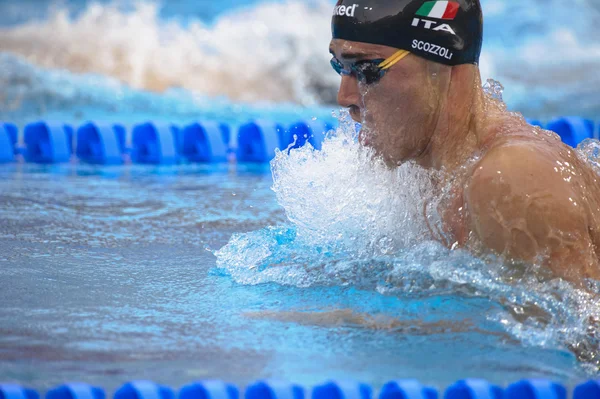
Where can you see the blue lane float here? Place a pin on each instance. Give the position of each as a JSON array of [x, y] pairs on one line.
[[473, 389], [7, 145], [588, 390], [155, 144], [311, 131], [76, 391], [48, 142], [342, 390], [144, 390], [274, 390], [205, 142], [209, 390], [100, 144], [572, 130], [13, 132], [14, 391], [258, 140], [407, 389], [535, 389]]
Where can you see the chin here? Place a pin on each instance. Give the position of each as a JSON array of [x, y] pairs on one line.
[[390, 158], [387, 158], [393, 162]]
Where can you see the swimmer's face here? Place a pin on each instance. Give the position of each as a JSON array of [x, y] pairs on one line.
[[399, 113]]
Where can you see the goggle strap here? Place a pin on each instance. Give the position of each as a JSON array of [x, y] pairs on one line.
[[397, 56]]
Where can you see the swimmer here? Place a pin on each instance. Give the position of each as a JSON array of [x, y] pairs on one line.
[[409, 73]]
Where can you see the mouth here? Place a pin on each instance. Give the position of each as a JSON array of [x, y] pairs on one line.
[[356, 115]]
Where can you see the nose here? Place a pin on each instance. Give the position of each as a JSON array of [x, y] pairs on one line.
[[348, 94]]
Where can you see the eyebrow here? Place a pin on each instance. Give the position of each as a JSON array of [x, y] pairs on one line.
[[351, 55]]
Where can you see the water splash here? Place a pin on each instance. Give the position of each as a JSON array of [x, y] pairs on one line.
[[354, 222], [344, 205], [589, 151], [250, 55], [494, 89], [255, 54], [346, 198], [30, 92]]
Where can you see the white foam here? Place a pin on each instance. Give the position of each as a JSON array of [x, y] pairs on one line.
[[346, 195], [343, 203], [266, 53], [544, 52]]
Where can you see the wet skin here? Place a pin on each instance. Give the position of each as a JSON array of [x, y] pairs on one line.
[[517, 191]]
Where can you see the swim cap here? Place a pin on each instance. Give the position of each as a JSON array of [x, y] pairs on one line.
[[448, 32]]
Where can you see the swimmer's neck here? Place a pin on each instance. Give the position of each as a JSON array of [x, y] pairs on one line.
[[462, 128]]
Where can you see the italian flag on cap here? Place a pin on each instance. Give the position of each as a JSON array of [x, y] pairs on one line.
[[439, 9]]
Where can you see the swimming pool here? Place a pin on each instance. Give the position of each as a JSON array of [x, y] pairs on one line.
[[109, 274], [243, 272]]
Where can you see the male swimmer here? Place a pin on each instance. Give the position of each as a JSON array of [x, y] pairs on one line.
[[410, 75]]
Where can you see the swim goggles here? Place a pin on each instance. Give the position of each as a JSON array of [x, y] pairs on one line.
[[368, 71]]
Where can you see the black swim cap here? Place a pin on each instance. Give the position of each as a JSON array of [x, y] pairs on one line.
[[448, 32]]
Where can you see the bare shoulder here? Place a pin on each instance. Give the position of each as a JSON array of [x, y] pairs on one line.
[[523, 202], [524, 166]]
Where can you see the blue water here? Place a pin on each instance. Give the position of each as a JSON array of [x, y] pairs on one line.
[[191, 272], [107, 275]]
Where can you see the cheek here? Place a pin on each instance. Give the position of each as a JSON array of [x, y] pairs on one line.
[[397, 104], [399, 114]]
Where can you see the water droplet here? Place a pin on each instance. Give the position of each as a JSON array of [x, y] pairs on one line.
[[494, 89]]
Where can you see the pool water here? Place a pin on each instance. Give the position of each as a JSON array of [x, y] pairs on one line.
[[108, 274], [313, 267]]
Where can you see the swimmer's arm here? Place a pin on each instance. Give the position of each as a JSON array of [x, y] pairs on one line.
[[522, 208]]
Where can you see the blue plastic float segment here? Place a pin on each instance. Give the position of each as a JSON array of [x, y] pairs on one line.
[[205, 142], [155, 144], [144, 390], [76, 391], [572, 130], [209, 390], [342, 390], [7, 146], [589, 390], [473, 389], [14, 391], [535, 389], [13, 132], [99, 144], [312, 131], [274, 390], [258, 140], [407, 389], [48, 143]]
